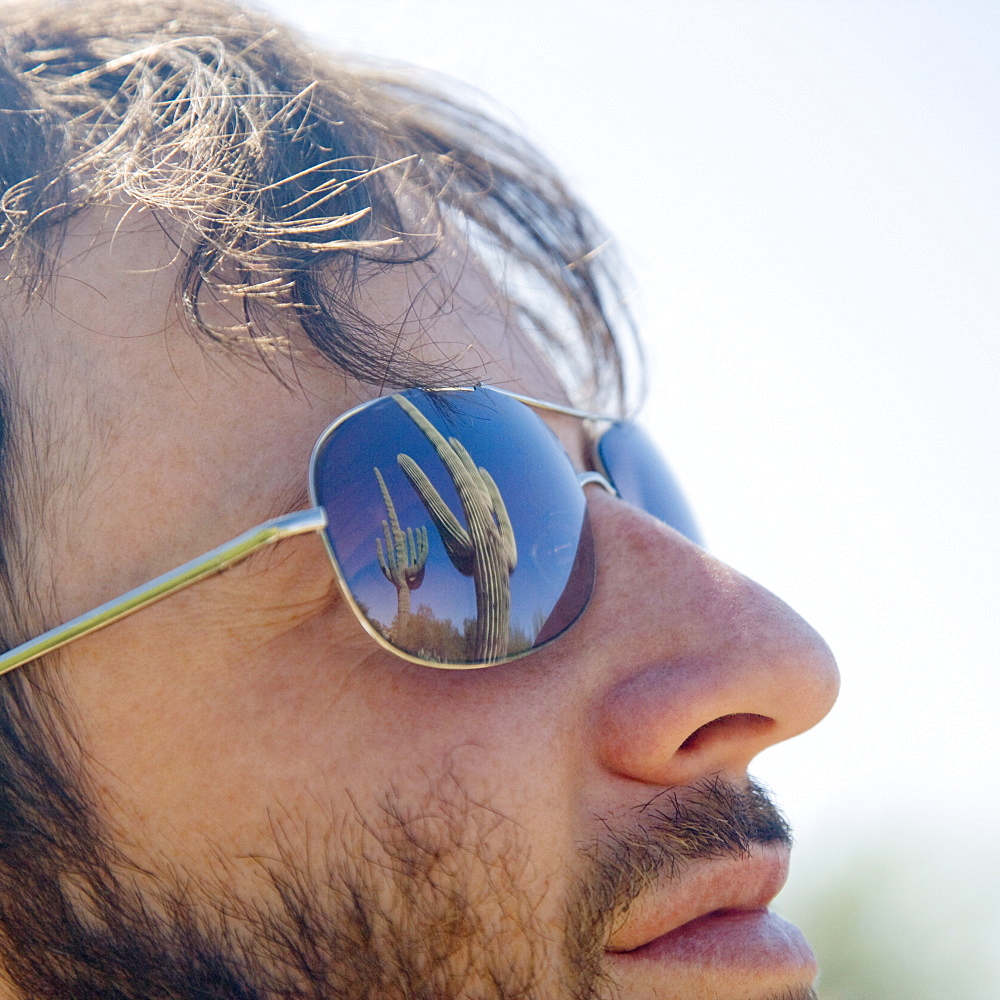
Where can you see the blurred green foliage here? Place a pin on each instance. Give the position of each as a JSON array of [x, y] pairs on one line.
[[893, 923]]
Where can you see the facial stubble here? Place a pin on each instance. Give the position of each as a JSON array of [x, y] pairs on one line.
[[432, 896]]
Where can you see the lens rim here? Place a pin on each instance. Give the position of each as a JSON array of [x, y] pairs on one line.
[[346, 589]]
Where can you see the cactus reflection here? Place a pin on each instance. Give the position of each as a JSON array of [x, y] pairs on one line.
[[455, 519], [486, 550], [403, 560]]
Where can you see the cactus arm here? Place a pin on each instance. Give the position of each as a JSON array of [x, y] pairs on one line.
[[401, 560], [416, 544], [383, 564], [432, 434], [457, 541], [389, 506], [503, 519], [466, 459], [417, 555]]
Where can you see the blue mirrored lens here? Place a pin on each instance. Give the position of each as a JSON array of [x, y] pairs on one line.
[[457, 524], [642, 477]]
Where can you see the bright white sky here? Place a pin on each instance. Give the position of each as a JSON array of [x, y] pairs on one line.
[[807, 194]]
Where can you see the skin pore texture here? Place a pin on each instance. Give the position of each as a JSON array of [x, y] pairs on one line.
[[277, 807]]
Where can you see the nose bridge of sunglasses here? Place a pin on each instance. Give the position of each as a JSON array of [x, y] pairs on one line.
[[596, 479], [579, 433]]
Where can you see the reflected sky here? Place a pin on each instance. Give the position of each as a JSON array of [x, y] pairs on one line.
[[534, 475]]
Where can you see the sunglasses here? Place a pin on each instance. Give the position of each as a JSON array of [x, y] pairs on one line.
[[455, 522]]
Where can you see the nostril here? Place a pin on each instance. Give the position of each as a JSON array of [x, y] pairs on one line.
[[739, 726]]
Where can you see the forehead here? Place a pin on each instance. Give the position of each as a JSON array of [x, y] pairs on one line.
[[116, 294]]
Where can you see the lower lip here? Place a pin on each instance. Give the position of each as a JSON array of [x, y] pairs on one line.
[[750, 940]]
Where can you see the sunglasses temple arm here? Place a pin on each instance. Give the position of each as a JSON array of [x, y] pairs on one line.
[[299, 523]]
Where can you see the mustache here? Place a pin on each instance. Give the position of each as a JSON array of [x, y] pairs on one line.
[[669, 833]]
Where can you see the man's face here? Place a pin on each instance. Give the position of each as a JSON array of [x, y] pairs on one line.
[[336, 821]]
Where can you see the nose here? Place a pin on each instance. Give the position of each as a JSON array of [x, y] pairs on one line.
[[702, 668]]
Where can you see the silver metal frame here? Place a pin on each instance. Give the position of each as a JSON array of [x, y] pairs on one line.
[[236, 549], [203, 566]]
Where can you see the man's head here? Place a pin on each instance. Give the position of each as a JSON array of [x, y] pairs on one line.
[[216, 243]]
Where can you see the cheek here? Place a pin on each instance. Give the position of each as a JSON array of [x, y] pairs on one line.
[[202, 749]]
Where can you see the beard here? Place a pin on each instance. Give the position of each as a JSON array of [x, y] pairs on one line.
[[422, 901]]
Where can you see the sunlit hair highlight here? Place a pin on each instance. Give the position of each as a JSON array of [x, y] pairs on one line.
[[285, 177]]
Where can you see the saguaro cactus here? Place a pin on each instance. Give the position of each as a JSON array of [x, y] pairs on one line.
[[486, 551], [403, 559]]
